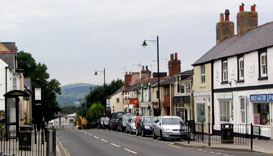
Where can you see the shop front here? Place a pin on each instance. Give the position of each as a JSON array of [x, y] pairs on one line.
[[182, 107], [262, 113]]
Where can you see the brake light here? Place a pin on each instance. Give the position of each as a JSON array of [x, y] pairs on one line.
[[115, 122]]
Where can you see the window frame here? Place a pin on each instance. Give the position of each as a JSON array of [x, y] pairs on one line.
[[263, 53], [224, 71], [203, 74], [243, 110], [227, 110], [241, 69]]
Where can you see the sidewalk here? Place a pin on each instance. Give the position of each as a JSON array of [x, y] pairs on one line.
[[264, 146]]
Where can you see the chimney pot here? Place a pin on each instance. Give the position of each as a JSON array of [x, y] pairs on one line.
[[227, 15], [146, 68], [222, 17], [171, 56], [176, 57], [253, 8], [242, 8], [142, 67]]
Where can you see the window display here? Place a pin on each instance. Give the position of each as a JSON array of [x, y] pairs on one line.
[[261, 113]]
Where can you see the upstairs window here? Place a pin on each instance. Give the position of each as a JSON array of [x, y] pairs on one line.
[[241, 68], [203, 74], [188, 88], [263, 64], [224, 70], [182, 89]]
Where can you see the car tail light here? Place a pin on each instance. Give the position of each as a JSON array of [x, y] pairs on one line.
[[115, 122]]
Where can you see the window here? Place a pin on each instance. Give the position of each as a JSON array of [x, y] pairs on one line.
[[241, 68], [224, 71], [263, 64], [243, 110], [182, 89], [178, 88], [150, 93], [117, 100], [261, 114], [225, 110], [188, 88], [200, 112], [203, 74], [14, 84]]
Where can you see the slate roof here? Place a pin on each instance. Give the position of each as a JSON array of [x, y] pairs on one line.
[[257, 38], [118, 91], [166, 81], [134, 87], [9, 59]]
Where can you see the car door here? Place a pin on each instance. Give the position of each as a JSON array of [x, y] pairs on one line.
[[157, 127]]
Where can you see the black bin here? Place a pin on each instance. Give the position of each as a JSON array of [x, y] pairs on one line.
[[227, 135], [25, 138]]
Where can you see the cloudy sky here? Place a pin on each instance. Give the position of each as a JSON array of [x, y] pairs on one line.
[[74, 38]]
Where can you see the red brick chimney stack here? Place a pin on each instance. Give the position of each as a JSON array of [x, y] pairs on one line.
[[128, 79], [224, 28], [242, 8], [174, 65], [246, 20]]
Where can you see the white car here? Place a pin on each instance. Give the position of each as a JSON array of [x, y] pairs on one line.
[[170, 127]]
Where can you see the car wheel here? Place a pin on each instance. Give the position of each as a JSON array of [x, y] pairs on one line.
[[154, 135], [161, 136], [143, 133]]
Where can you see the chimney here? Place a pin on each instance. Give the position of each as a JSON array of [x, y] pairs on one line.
[[128, 79], [246, 20], [174, 65], [224, 28]]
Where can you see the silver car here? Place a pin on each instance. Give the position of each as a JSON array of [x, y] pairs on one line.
[[131, 126], [170, 127]]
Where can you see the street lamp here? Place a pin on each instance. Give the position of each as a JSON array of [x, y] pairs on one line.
[[96, 73], [144, 44]]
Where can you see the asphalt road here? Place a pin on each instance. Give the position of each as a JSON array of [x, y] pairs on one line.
[[96, 142]]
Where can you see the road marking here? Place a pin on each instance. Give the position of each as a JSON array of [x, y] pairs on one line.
[[115, 145], [218, 153], [211, 152], [90, 134], [64, 149], [96, 137], [103, 140], [130, 151], [226, 154]]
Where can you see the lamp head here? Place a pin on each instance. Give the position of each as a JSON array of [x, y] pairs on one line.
[[144, 44], [96, 73]]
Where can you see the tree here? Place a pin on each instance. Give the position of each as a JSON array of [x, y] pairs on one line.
[[69, 109], [95, 112], [99, 95], [40, 78]]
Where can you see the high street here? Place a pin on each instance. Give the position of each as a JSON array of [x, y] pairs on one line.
[[98, 142]]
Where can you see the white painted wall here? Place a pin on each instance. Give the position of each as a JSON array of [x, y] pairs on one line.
[[3, 66]]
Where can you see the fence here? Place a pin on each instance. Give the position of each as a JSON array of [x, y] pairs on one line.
[[29, 143], [239, 134]]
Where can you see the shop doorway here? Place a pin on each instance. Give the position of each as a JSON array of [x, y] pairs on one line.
[[183, 113], [271, 120]]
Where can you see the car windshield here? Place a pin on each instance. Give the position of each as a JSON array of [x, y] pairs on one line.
[[107, 119], [125, 119], [171, 121], [148, 120], [133, 120]]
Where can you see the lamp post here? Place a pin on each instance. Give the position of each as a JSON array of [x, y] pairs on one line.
[[144, 44], [104, 83]]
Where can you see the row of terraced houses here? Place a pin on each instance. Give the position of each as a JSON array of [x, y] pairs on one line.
[[231, 83]]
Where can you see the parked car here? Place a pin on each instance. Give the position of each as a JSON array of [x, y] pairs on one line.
[[113, 123], [131, 127], [145, 125], [170, 127], [100, 122], [122, 122], [106, 123]]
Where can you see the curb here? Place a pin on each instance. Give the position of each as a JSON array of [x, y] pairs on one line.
[[214, 148]]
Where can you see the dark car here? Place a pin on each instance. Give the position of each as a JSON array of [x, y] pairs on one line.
[[145, 125], [122, 122], [113, 123]]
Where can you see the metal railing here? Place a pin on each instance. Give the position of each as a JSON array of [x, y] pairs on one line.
[[29, 143], [238, 134]]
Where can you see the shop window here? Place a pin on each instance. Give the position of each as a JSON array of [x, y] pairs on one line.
[[225, 110], [261, 114], [200, 112]]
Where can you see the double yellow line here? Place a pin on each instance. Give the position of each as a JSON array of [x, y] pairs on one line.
[[63, 148]]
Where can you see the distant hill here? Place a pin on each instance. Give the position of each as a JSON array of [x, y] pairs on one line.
[[73, 92]]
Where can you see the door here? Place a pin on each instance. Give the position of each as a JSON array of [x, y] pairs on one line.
[[183, 113]]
